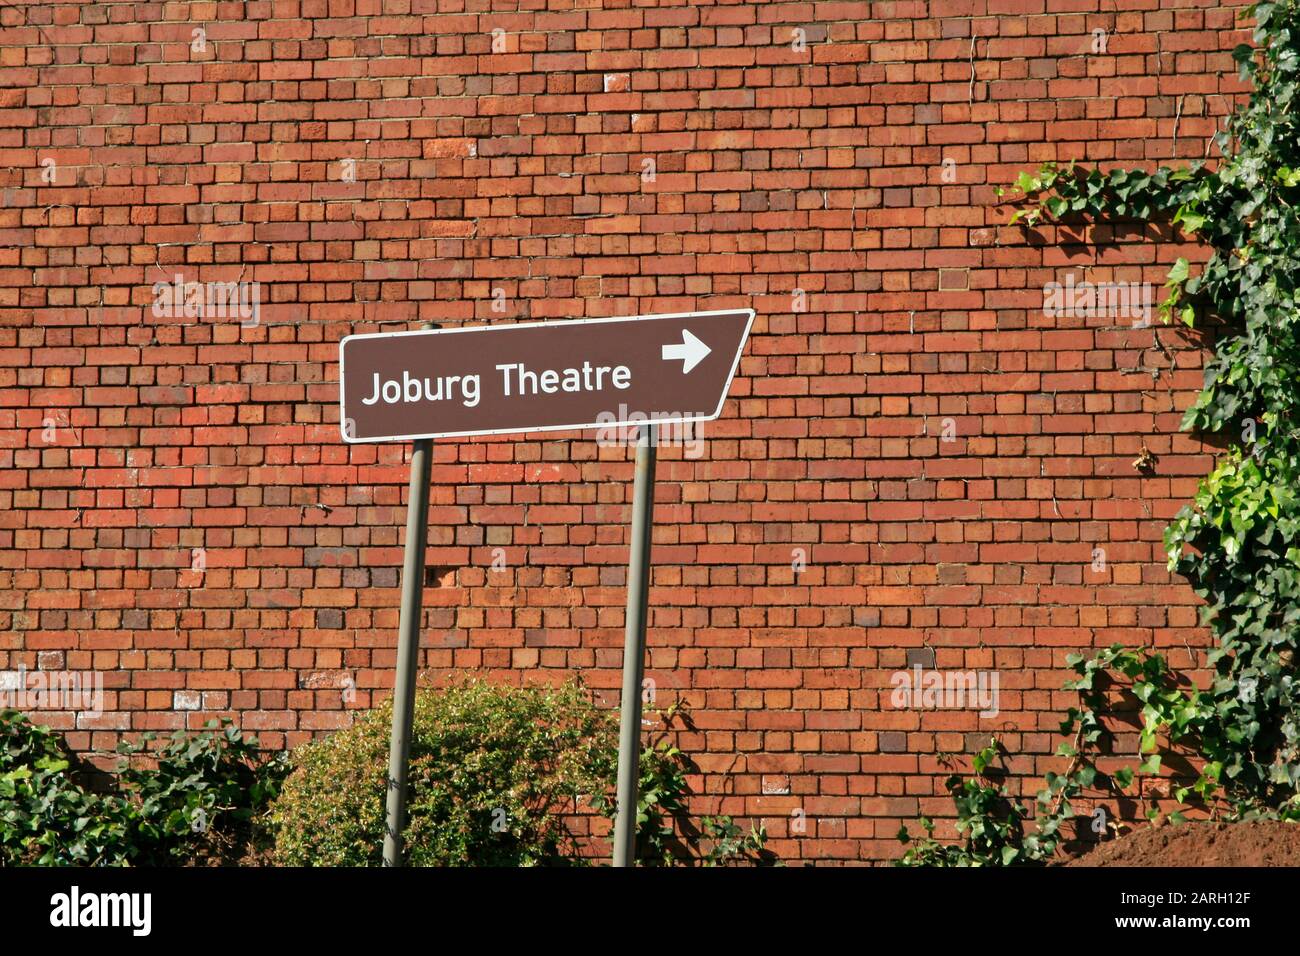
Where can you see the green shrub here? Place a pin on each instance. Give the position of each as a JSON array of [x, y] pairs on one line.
[[496, 774], [46, 818], [492, 770], [199, 802], [205, 797]]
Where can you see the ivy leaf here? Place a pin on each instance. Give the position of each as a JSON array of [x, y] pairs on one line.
[[1028, 184]]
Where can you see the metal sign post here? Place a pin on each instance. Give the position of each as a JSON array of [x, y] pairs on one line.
[[408, 647], [638, 601], [648, 370]]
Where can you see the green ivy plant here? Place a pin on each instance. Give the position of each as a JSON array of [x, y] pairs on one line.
[[199, 799], [46, 817], [1238, 542], [991, 821]]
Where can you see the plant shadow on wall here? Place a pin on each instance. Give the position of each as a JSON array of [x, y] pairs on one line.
[[499, 776], [666, 833], [1238, 542]]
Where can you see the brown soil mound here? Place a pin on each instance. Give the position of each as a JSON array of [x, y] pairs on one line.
[[1259, 843]]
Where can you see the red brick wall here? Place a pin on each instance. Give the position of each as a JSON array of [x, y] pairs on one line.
[[777, 170]]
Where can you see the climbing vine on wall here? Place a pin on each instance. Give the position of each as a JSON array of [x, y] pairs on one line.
[[1238, 542]]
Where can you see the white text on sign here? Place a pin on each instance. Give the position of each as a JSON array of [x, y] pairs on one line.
[[516, 380]]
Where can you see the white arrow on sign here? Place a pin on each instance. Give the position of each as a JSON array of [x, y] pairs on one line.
[[691, 351]]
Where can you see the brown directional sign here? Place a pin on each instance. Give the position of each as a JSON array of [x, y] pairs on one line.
[[538, 376]]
